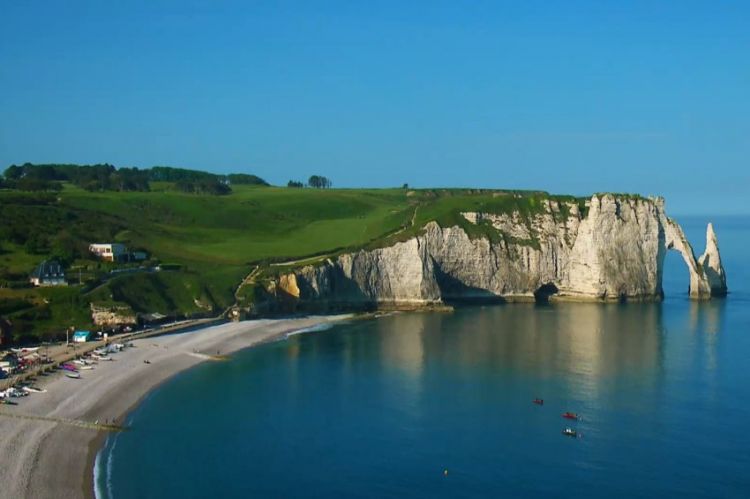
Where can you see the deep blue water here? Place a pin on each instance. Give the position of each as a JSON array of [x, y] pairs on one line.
[[380, 408]]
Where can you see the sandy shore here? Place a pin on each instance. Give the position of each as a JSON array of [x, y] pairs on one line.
[[42, 459]]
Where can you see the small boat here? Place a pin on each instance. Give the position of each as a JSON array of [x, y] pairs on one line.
[[32, 389], [570, 432], [571, 415], [73, 375], [15, 392], [86, 368], [539, 401], [24, 350]]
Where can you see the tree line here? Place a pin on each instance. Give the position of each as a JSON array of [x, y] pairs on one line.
[[99, 177], [315, 181], [106, 177]]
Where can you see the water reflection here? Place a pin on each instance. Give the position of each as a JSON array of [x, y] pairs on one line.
[[587, 339], [707, 316], [590, 346], [706, 321], [402, 343]]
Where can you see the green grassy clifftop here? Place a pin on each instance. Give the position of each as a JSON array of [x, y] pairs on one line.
[[211, 242]]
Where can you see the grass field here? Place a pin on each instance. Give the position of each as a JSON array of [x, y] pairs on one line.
[[215, 240]]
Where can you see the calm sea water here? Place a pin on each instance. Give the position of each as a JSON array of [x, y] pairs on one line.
[[381, 408]]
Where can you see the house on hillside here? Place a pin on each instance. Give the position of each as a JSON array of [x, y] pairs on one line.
[[111, 252], [48, 273]]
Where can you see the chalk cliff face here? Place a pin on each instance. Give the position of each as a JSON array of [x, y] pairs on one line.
[[614, 251]]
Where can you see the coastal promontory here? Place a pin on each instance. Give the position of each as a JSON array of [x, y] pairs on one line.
[[100, 248], [609, 248]]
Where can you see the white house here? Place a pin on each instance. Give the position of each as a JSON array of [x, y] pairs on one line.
[[111, 251]]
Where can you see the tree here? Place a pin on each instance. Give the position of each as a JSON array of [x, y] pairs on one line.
[[295, 184], [206, 186], [319, 182], [14, 172], [36, 244], [64, 247], [245, 179]]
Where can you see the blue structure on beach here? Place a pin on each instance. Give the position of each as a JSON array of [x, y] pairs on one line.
[[81, 336]]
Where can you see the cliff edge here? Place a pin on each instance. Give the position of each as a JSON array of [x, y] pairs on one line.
[[611, 249]]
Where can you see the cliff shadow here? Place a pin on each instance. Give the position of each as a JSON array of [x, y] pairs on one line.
[[340, 293], [456, 292]]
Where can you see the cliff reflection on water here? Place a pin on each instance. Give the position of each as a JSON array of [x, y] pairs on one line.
[[582, 341], [587, 355]]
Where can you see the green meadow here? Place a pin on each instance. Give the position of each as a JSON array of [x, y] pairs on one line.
[[207, 244]]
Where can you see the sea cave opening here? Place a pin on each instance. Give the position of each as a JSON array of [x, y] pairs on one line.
[[544, 292], [676, 276]]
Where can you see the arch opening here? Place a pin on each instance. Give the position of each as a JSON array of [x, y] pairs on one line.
[[675, 274], [544, 292]]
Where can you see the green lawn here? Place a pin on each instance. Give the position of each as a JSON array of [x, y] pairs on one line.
[[251, 224]]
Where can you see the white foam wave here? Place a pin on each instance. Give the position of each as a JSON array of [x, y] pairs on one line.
[[312, 329], [103, 477], [97, 475]]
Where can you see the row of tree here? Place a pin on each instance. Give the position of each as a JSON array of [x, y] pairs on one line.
[[99, 177], [315, 181], [43, 227], [171, 174], [106, 177], [203, 186]]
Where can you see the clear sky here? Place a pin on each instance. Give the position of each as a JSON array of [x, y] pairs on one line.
[[570, 97]]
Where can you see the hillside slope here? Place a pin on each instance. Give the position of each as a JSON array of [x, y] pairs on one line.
[[209, 253]]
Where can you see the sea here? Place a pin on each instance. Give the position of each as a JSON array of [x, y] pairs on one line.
[[439, 405]]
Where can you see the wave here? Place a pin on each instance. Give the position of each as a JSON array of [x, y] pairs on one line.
[[97, 474], [312, 329], [103, 477]]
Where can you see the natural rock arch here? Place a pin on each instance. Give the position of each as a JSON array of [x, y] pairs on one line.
[[707, 276]]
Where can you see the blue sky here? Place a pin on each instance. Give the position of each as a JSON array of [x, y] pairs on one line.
[[570, 97]]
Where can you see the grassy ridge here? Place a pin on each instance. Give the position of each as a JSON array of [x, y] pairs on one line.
[[250, 225], [215, 241]]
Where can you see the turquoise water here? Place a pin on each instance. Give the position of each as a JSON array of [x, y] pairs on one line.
[[380, 408]]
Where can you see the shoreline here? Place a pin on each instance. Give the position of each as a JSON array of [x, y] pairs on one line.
[[57, 459]]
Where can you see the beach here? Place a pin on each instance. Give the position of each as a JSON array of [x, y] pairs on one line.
[[54, 457]]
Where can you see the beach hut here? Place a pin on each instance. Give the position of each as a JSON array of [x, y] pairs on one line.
[[81, 336]]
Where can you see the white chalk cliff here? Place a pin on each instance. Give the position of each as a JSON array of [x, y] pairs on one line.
[[612, 251]]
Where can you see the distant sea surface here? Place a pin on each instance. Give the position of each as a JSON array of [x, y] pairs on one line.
[[433, 405]]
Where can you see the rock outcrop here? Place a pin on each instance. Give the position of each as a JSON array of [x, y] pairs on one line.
[[613, 250], [710, 262], [112, 315]]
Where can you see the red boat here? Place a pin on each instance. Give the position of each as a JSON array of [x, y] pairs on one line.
[[570, 415], [539, 401]]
